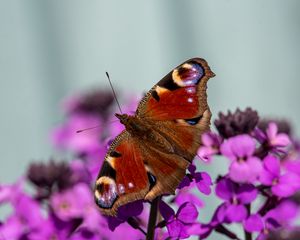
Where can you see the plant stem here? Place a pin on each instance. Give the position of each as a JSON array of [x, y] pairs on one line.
[[248, 235], [152, 219], [223, 230]]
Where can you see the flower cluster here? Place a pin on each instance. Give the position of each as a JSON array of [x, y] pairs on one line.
[[259, 190]]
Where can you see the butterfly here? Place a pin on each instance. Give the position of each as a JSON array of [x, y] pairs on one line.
[[150, 157]]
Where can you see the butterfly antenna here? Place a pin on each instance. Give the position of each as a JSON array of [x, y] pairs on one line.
[[86, 129], [114, 92]]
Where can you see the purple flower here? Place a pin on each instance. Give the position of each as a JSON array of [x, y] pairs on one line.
[[132, 209], [95, 102], [66, 136], [210, 146], [239, 122], [8, 193], [179, 223], [275, 218], [244, 166], [271, 138], [27, 217], [201, 179], [71, 203], [282, 185], [186, 196], [235, 196]]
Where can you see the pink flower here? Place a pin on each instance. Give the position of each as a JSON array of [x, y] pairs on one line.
[[282, 185], [210, 146], [244, 166]]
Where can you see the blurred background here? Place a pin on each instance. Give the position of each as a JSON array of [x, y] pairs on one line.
[[51, 49]]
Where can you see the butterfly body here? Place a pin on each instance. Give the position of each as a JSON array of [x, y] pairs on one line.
[[150, 156]]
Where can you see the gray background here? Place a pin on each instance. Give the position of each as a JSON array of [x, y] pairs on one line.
[[50, 49]]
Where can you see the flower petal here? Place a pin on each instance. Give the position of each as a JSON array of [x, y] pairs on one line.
[[272, 130], [176, 230], [166, 211], [272, 165], [225, 189], [243, 145], [236, 213], [187, 213], [254, 223], [246, 193]]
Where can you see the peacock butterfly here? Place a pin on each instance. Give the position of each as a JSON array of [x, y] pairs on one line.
[[161, 139]]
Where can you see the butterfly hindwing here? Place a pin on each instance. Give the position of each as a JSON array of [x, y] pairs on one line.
[[123, 177]]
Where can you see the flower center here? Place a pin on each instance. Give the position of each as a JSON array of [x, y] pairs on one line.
[[64, 206]]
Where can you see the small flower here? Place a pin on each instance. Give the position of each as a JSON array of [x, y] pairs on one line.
[[210, 146], [27, 217], [275, 218], [96, 102], [125, 212], [284, 233], [179, 223], [186, 196], [48, 177], [244, 166], [282, 185], [283, 125], [271, 139], [66, 137], [235, 196], [71, 203], [239, 122], [201, 179]]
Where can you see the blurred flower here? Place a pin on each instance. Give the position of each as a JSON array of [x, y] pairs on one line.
[[280, 216], [284, 126], [50, 175], [282, 185], [96, 102], [71, 203], [271, 139], [186, 196], [239, 122], [244, 166], [236, 197], [210, 146], [284, 233], [66, 136]]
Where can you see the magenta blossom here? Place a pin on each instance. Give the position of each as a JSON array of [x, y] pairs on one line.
[[282, 185], [27, 218], [184, 195], [66, 136], [210, 146], [201, 179], [244, 168], [72, 203], [236, 197], [179, 223], [280, 216], [272, 139]]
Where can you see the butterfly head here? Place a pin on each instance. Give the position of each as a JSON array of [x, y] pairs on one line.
[[123, 118]]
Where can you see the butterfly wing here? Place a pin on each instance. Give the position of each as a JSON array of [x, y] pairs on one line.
[[177, 108], [181, 94], [128, 173]]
